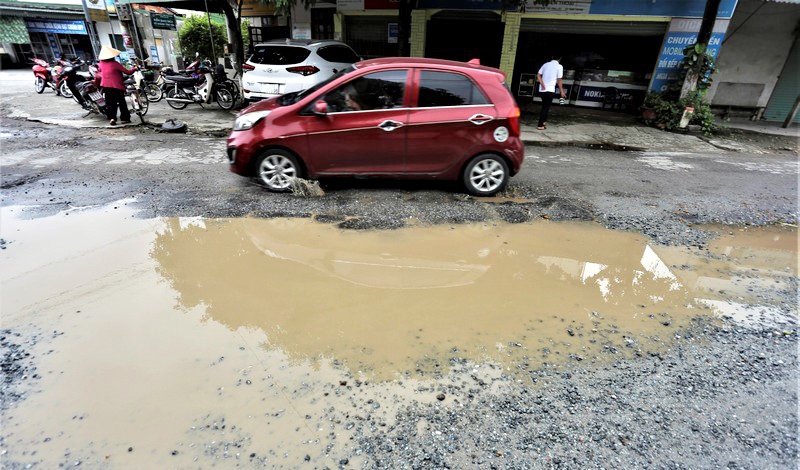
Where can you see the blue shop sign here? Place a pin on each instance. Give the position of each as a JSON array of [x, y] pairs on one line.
[[56, 26], [684, 8], [668, 67]]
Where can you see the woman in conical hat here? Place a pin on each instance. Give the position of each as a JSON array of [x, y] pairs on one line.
[[108, 53], [112, 83]]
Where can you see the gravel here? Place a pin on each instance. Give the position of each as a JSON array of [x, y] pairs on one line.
[[722, 397]]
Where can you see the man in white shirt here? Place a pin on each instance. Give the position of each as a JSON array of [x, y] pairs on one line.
[[549, 76]]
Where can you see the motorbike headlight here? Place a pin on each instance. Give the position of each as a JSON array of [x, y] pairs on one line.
[[247, 121]]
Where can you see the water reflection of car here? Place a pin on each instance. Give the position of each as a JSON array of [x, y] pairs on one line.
[[391, 117], [432, 263], [289, 65]]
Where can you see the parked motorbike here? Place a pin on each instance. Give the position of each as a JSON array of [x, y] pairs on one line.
[[93, 99], [182, 90], [135, 95], [154, 83], [48, 76], [71, 75]]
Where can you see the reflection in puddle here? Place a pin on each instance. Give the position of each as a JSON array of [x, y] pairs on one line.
[[189, 339], [404, 302], [399, 302]]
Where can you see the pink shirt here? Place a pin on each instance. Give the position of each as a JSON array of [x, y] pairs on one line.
[[111, 74]]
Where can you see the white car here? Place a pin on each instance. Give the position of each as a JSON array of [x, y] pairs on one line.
[[283, 66]]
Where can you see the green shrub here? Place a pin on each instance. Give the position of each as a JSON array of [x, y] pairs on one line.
[[669, 111], [668, 106]]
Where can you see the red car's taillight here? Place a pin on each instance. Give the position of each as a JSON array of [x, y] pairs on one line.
[[248, 67], [304, 70], [513, 121]]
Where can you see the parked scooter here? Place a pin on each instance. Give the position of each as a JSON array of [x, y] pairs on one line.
[[134, 94], [71, 75], [153, 86], [182, 90], [48, 76], [93, 99]]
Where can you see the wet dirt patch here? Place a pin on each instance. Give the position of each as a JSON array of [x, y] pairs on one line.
[[188, 341]]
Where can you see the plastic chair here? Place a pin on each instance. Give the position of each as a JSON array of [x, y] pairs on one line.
[[612, 98]]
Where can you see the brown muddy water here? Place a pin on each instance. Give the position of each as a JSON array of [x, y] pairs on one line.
[[190, 343]]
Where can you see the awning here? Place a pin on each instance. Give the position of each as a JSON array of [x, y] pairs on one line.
[[594, 27], [13, 30]]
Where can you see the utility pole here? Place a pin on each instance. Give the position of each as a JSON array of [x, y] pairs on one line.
[[127, 18], [703, 36], [90, 25]]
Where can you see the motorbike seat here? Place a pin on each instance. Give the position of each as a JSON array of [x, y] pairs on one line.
[[180, 79], [129, 81]]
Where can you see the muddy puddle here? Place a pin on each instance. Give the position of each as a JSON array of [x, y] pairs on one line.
[[190, 343]]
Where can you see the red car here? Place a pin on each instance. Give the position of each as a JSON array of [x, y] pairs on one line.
[[391, 117]]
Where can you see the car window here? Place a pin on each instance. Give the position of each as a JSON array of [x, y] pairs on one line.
[[279, 55], [379, 90], [448, 89], [342, 54], [294, 97]]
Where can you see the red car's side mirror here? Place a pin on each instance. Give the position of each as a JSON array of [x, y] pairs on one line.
[[320, 107]]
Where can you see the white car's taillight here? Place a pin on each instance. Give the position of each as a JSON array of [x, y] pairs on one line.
[[304, 70]]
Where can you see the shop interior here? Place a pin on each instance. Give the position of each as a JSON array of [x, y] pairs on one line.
[[464, 36], [592, 63]]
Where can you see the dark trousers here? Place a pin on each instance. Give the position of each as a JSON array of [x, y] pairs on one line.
[[116, 98], [547, 100]]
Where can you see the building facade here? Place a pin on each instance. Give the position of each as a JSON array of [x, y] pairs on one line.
[[50, 31], [758, 69], [634, 46]]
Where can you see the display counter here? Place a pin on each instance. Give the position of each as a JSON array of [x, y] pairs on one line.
[[588, 88]]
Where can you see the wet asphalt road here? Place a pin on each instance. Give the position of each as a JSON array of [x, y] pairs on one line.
[[659, 194], [723, 397]]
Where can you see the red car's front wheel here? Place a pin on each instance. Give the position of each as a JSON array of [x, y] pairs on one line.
[[277, 169]]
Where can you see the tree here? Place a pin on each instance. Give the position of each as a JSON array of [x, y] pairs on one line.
[[232, 9], [200, 35]]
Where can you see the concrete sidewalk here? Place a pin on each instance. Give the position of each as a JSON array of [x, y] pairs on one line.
[[567, 126], [572, 126]]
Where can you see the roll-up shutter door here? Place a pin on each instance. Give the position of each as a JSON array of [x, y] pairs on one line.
[[786, 90], [368, 35], [611, 28]]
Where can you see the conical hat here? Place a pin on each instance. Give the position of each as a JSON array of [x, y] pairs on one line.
[[108, 53]]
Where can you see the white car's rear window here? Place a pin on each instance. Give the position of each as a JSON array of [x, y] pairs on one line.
[[279, 55]]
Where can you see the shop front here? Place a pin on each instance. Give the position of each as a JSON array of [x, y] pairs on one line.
[[613, 52], [464, 35], [54, 39], [606, 63], [368, 26], [45, 30]]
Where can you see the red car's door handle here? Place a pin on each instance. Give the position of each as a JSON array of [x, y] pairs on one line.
[[479, 119], [389, 126]]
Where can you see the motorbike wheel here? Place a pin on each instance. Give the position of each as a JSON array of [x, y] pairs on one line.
[[153, 92], [39, 85], [64, 90], [224, 97], [234, 89], [144, 105], [175, 104]]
